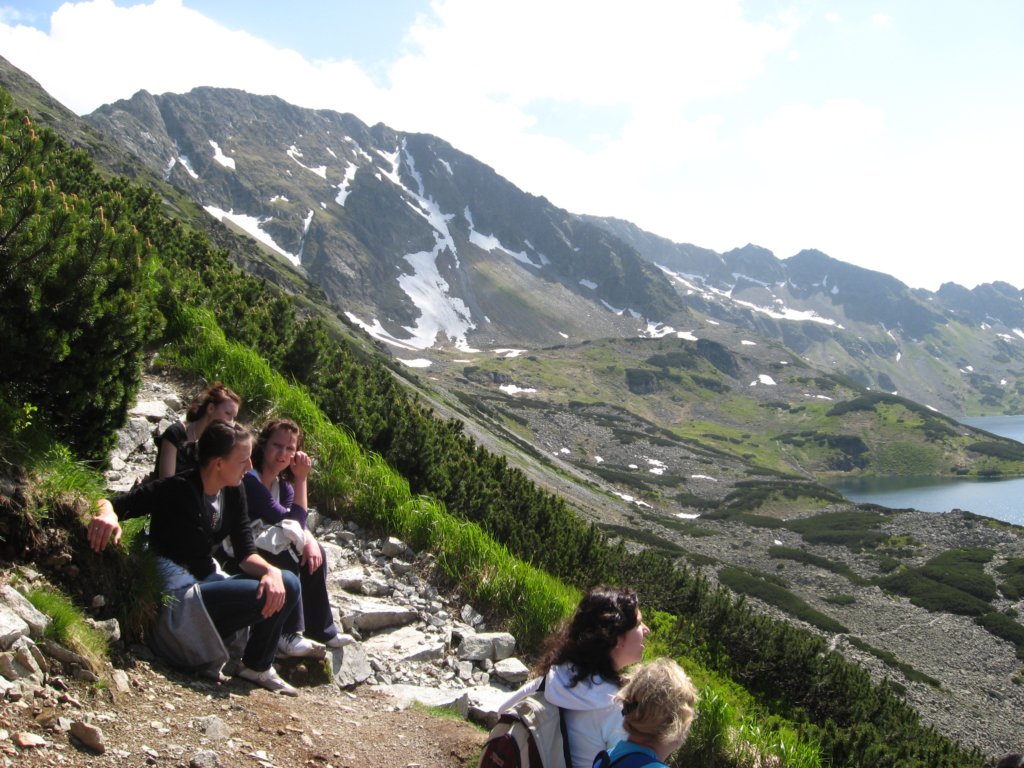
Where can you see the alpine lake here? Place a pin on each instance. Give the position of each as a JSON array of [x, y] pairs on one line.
[[1002, 499]]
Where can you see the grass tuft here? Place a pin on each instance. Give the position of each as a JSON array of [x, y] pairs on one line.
[[68, 626]]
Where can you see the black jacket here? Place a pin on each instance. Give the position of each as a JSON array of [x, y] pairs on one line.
[[179, 529]]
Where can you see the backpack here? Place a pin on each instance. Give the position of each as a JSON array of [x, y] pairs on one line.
[[531, 734], [628, 760]]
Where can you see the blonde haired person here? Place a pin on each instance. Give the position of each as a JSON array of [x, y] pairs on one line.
[[658, 706]]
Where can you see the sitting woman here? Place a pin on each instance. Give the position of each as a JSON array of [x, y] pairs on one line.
[[278, 503], [658, 706], [176, 446], [203, 608], [581, 669]]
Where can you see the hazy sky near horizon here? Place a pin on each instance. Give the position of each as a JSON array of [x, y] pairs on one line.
[[886, 134]]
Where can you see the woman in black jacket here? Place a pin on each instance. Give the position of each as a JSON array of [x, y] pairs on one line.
[[190, 514]]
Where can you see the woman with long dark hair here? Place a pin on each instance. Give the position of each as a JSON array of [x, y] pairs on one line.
[[581, 669], [190, 514]]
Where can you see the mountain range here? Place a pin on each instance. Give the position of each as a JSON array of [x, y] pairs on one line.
[[431, 251]]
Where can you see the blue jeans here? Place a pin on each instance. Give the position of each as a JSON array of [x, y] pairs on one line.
[[313, 616], [233, 605]]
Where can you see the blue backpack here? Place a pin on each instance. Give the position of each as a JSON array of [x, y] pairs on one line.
[[629, 760]]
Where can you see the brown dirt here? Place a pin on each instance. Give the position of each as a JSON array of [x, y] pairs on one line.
[[160, 722]]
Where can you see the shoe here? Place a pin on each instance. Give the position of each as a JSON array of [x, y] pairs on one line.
[[340, 640], [268, 679], [294, 645]]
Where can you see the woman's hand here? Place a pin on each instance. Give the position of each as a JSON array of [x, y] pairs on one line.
[[302, 462], [272, 586], [311, 556], [103, 527]]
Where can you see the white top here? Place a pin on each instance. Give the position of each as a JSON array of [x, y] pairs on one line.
[[592, 716]]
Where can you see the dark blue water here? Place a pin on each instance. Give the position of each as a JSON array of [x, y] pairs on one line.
[[1000, 499]]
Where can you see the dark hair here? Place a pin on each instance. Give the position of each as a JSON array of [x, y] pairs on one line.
[[1010, 761], [603, 616], [219, 440], [215, 394], [264, 437]]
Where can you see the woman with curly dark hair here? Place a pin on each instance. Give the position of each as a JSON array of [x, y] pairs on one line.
[[581, 669]]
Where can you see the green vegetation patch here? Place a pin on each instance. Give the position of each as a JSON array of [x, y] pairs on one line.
[[748, 495], [1009, 451], [849, 451], [767, 588], [855, 529], [933, 595], [903, 457], [841, 599], [803, 556], [891, 660], [1012, 586], [964, 570], [1003, 626], [645, 537]]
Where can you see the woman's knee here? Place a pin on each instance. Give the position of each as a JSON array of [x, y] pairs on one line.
[[292, 587]]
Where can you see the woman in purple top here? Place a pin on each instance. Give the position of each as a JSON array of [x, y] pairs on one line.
[[278, 505]]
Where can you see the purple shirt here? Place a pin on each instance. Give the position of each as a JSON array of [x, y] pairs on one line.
[[263, 505]]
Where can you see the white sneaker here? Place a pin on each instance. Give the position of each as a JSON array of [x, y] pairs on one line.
[[340, 640], [294, 644], [268, 679]]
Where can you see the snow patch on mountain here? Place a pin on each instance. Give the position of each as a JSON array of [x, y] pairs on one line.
[[657, 330], [512, 389], [377, 331], [588, 283], [782, 312], [220, 157], [183, 159], [345, 187], [295, 153], [764, 379], [695, 284], [418, 362], [737, 276], [251, 225], [431, 211], [439, 312], [491, 243], [657, 467], [620, 312]]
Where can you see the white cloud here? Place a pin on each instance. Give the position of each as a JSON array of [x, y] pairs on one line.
[[704, 145], [881, 20], [82, 61]]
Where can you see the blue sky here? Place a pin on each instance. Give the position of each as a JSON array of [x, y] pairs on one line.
[[885, 134]]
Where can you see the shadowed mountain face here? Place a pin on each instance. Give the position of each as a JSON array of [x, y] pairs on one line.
[[417, 240], [428, 249]]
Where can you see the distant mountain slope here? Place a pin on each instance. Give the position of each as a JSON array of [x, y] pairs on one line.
[[421, 243], [959, 350]]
